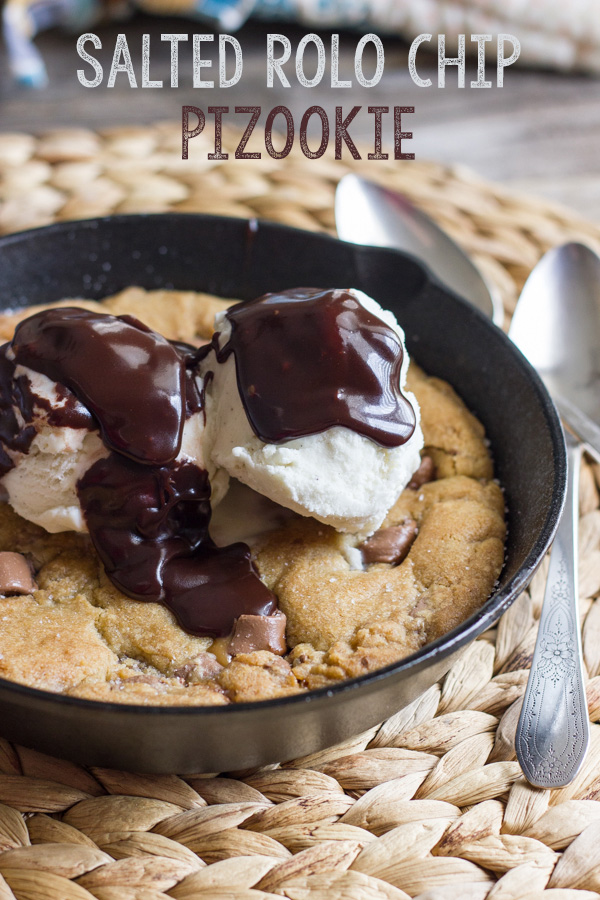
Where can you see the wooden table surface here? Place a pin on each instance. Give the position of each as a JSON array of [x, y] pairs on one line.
[[539, 133]]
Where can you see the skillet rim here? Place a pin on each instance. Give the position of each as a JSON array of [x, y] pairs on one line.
[[446, 644]]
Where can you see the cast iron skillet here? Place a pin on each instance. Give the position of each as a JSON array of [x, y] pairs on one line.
[[234, 258]]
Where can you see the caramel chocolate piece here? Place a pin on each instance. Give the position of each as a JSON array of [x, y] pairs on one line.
[[259, 633], [390, 545], [426, 472], [15, 574], [203, 667]]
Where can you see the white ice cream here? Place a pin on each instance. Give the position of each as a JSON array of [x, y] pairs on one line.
[[43, 485], [245, 516], [338, 477]]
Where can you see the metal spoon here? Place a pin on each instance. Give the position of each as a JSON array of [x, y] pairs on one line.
[[557, 327], [367, 213]]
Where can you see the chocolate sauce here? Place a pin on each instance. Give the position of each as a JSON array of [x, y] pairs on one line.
[[130, 378], [194, 401], [16, 393], [150, 528], [306, 360], [310, 359], [13, 434], [146, 512]]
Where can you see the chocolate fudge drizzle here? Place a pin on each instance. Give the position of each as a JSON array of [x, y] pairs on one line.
[[306, 360], [130, 378], [309, 359], [12, 434], [147, 512], [150, 528], [16, 392]]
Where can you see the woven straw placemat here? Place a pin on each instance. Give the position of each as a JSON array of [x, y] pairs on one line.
[[431, 804]]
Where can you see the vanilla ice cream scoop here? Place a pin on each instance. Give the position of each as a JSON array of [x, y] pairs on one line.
[[41, 459], [306, 403], [54, 440]]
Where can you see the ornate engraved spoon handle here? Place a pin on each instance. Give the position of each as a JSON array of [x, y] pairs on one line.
[[553, 730]]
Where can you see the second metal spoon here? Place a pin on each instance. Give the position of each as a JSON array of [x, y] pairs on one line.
[[557, 327]]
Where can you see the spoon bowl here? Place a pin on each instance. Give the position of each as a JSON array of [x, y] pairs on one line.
[[368, 213], [557, 327]]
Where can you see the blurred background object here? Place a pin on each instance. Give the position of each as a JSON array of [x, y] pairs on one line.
[[564, 36], [540, 133]]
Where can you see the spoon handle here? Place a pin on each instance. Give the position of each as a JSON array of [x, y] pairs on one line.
[[553, 730]]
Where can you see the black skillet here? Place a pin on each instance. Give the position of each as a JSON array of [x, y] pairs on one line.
[[234, 258]]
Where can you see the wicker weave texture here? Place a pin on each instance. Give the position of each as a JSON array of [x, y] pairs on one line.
[[74, 174], [431, 804]]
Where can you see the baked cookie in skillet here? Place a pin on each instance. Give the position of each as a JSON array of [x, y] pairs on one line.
[[77, 634]]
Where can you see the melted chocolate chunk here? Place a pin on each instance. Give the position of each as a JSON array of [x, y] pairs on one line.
[[150, 528], [16, 576], [390, 545], [130, 378], [309, 359], [259, 633]]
